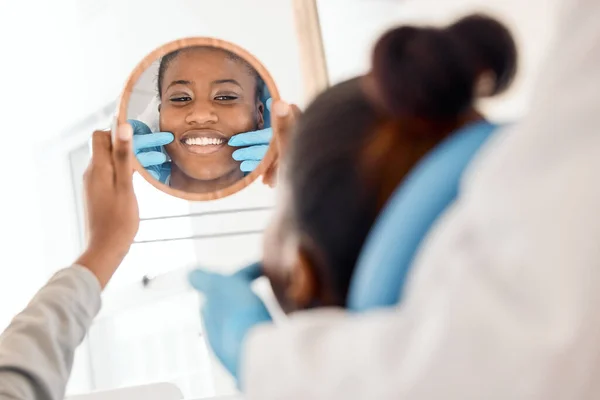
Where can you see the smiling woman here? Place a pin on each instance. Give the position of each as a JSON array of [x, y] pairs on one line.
[[207, 96], [206, 131]]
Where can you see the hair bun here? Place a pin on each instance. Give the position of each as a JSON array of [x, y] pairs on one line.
[[422, 72], [432, 73], [491, 45]]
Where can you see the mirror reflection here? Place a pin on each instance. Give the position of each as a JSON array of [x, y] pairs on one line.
[[201, 119]]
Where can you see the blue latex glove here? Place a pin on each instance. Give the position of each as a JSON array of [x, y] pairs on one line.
[[230, 310], [147, 147], [255, 144]]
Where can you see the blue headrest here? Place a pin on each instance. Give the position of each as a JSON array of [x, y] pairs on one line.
[[420, 199]]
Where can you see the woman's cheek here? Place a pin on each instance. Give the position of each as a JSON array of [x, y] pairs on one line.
[[241, 119], [165, 120]]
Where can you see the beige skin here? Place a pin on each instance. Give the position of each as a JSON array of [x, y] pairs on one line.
[[207, 93], [111, 206]]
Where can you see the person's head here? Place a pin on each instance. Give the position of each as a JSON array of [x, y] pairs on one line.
[[358, 140], [207, 95]]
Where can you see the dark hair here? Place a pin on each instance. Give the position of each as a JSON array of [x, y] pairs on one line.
[[168, 58], [432, 72], [349, 152]]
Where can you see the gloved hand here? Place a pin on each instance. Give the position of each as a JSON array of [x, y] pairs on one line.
[[148, 151], [230, 310], [255, 144]]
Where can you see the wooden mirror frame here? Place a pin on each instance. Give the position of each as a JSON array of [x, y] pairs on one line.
[[146, 62]]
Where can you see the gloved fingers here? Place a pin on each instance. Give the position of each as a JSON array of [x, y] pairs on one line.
[[164, 171], [143, 137], [139, 128], [212, 328], [207, 282], [262, 136], [151, 158], [265, 94], [249, 273], [267, 113], [157, 139], [210, 322], [199, 279], [249, 166], [154, 174], [252, 153]]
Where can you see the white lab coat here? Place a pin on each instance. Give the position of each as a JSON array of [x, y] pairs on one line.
[[503, 301]]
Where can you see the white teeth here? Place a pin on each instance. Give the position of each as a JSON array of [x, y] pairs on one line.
[[203, 141]]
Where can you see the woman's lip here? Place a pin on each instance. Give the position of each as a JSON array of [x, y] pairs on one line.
[[203, 149]]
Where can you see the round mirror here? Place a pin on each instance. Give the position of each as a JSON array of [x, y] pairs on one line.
[[200, 111]]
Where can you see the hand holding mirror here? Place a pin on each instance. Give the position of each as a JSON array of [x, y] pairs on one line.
[[200, 109]]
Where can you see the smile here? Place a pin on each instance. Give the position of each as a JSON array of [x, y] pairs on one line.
[[203, 142]]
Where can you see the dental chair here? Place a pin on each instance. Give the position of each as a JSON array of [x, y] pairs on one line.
[[426, 193]]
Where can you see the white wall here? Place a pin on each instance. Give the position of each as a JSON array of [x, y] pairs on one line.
[[64, 62], [351, 27], [107, 41], [26, 116], [126, 31]]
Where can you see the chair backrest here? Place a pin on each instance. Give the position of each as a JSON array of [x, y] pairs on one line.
[[414, 207]]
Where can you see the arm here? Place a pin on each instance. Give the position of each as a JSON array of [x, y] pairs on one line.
[[503, 299], [37, 349]]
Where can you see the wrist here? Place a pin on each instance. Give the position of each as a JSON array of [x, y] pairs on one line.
[[102, 262]]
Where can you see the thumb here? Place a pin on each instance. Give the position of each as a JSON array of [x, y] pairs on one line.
[[202, 280], [250, 273], [284, 118], [123, 156]]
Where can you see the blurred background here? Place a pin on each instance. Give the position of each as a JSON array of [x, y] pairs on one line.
[[63, 66]]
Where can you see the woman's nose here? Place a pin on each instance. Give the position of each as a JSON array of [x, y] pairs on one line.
[[202, 112]]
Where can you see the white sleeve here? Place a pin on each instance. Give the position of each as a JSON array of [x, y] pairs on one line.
[[37, 348], [502, 302]]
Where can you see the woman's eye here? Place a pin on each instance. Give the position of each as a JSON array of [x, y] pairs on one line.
[[226, 98], [180, 99]]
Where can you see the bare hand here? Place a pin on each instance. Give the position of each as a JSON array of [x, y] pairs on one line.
[[111, 206], [284, 117]]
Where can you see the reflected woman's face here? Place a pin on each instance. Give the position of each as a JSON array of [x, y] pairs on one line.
[[207, 97]]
